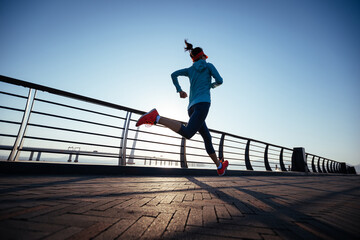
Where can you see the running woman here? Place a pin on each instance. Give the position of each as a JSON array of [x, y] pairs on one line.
[[200, 74]]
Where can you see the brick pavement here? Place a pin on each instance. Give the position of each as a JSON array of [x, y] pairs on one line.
[[128, 207]]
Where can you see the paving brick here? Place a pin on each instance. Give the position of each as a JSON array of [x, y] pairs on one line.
[[155, 201], [157, 227], [64, 233], [168, 199], [178, 221], [115, 230], [195, 217], [21, 212], [179, 198], [217, 231], [222, 212], [137, 229], [13, 233], [31, 226], [209, 215], [90, 231]]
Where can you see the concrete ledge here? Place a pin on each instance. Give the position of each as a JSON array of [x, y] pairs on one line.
[[66, 168]]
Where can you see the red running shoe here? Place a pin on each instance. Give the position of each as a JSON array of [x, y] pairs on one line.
[[222, 170], [148, 118]]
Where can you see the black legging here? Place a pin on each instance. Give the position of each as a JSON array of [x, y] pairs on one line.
[[197, 114]]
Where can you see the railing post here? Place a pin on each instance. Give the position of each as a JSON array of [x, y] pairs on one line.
[[122, 157], [282, 165], [266, 160], [183, 161], [31, 156], [318, 165], [327, 166], [298, 161], [18, 142], [221, 146], [323, 166], [313, 164], [38, 156], [247, 156], [332, 166]]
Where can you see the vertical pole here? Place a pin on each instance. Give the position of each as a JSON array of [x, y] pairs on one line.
[[323, 166], [332, 166], [122, 155], [26, 125], [327, 166], [318, 165], [281, 158], [247, 156], [313, 164], [31, 155], [13, 154], [38, 156], [266, 160], [183, 161], [221, 146]]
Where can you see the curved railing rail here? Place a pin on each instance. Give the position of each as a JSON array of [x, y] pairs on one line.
[[40, 123]]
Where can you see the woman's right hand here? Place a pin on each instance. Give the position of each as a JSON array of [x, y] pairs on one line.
[[183, 94]]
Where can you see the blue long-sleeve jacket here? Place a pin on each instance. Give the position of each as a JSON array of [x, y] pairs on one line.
[[200, 74]]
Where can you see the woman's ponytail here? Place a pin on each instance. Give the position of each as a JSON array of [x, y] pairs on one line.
[[189, 46], [195, 53]]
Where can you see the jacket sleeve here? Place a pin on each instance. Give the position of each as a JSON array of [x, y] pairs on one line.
[[176, 74], [216, 76]]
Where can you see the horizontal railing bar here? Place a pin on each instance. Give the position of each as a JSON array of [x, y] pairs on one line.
[[14, 95], [233, 141], [150, 159], [152, 150], [257, 146], [255, 151], [77, 108], [6, 147], [274, 151], [66, 94], [193, 162], [252, 140], [197, 148], [196, 155], [11, 122], [161, 143], [272, 154], [316, 156], [13, 109], [74, 152], [7, 135], [73, 142], [157, 134], [235, 159], [77, 120], [72, 130], [260, 161], [257, 166], [225, 146], [233, 152]]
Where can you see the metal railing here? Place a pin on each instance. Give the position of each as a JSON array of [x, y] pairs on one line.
[[40, 123]]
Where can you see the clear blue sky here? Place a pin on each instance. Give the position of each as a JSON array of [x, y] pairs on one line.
[[291, 69]]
